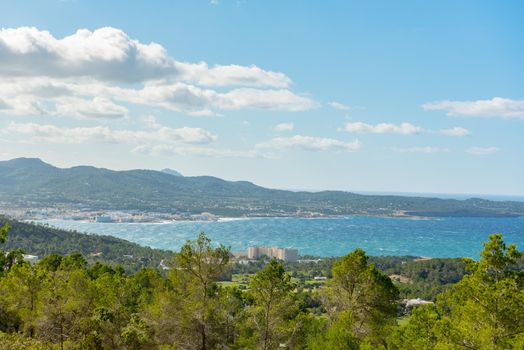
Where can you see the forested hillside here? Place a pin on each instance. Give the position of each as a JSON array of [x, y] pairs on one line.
[[62, 303], [43, 240], [32, 183]]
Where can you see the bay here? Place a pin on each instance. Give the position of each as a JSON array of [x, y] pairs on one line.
[[434, 237]]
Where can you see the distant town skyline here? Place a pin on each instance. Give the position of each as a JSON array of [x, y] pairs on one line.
[[359, 96]]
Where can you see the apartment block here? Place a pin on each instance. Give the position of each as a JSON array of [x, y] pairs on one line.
[[273, 252]]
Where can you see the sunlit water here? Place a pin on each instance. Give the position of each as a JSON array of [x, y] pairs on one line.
[[439, 237]]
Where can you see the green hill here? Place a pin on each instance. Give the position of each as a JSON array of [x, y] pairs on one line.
[[42, 240], [29, 182]]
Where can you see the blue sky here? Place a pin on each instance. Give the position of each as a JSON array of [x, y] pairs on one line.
[[404, 96]]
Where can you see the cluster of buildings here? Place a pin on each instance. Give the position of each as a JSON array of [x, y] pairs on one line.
[[273, 252], [139, 217], [88, 215]]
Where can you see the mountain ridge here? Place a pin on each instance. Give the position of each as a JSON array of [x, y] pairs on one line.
[[30, 182]]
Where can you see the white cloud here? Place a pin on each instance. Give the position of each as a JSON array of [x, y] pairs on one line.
[[425, 149], [214, 2], [482, 151], [339, 106], [98, 107], [171, 150], [100, 134], [284, 127], [106, 54], [38, 87], [28, 96], [54, 134], [199, 101], [282, 99], [187, 135], [109, 54], [20, 99], [497, 107], [310, 143], [92, 73], [383, 128], [456, 131], [163, 141], [230, 75], [24, 95], [24, 105]]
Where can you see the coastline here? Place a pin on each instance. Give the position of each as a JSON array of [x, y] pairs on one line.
[[402, 215]]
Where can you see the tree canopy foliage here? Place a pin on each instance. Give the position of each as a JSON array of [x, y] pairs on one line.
[[485, 310], [62, 302], [41, 240]]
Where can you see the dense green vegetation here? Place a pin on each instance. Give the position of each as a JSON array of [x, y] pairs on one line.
[[64, 303], [33, 183], [414, 277], [42, 240]]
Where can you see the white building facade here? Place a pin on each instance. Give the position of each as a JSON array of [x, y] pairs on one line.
[[273, 252]]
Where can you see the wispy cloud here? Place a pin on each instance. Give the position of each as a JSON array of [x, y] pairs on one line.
[[482, 151], [383, 128], [207, 152], [101, 134], [497, 107], [284, 127], [310, 143], [339, 106], [425, 149], [456, 131], [161, 141]]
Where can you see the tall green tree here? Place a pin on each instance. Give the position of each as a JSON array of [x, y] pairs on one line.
[[10, 258], [362, 295], [10, 319], [3, 233], [22, 289], [339, 335], [485, 310], [66, 307], [272, 318], [420, 333], [196, 269]]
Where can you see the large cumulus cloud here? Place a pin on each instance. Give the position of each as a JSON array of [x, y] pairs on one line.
[[95, 73]]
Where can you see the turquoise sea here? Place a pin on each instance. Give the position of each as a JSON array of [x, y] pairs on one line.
[[437, 237]]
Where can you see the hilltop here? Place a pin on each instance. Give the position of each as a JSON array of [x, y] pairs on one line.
[[42, 240], [30, 182]]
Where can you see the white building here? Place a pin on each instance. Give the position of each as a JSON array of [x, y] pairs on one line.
[[415, 302], [32, 259], [273, 252]]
